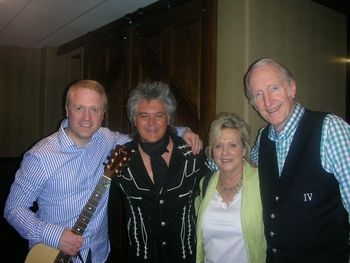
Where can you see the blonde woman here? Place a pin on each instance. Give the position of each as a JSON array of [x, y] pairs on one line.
[[230, 224]]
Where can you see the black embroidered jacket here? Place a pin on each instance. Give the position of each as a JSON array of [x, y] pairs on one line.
[[160, 226]]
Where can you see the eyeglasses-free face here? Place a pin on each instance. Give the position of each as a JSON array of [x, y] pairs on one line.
[[151, 120]]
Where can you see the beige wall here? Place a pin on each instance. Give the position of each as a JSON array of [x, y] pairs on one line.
[[302, 34], [19, 101], [56, 75], [305, 36], [32, 82]]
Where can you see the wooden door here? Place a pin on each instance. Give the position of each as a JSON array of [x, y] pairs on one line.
[[178, 46]]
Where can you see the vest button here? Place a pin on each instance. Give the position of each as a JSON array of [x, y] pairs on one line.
[[277, 198], [161, 201], [163, 224], [272, 216], [272, 233], [274, 251], [163, 243]]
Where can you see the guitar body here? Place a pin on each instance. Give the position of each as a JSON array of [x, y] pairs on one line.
[[41, 253]]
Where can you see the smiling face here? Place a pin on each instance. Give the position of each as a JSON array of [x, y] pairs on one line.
[[85, 111], [151, 120], [273, 96], [228, 151]]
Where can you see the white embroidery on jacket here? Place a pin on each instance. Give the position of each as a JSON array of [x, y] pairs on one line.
[[144, 234], [132, 178], [184, 146], [183, 232], [184, 174], [189, 229]]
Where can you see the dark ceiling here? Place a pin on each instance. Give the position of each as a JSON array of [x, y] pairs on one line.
[[342, 6]]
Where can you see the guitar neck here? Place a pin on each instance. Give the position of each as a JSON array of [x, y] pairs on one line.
[[90, 207], [117, 159]]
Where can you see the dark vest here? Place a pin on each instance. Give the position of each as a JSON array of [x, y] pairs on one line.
[[304, 218]]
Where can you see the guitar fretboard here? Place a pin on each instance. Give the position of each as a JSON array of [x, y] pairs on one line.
[[90, 207], [117, 159]]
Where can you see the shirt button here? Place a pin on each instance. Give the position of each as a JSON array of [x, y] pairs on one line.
[[272, 233], [274, 251], [272, 216], [163, 224], [163, 243], [161, 201], [277, 198]]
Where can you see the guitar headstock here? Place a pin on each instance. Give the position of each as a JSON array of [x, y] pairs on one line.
[[119, 156]]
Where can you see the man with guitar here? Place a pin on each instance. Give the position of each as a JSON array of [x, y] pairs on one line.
[[63, 174], [159, 183]]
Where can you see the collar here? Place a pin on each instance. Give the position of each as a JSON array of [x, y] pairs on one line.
[[290, 126], [66, 143]]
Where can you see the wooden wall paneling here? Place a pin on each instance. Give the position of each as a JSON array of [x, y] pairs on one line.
[[107, 59], [96, 59], [147, 58], [186, 113], [116, 121], [150, 51], [20, 70], [186, 73], [186, 37], [76, 62], [173, 41], [131, 73], [76, 67], [120, 78], [115, 82], [208, 66], [55, 74]]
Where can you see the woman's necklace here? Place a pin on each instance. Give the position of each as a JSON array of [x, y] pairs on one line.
[[231, 190]]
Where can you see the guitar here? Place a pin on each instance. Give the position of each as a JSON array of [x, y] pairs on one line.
[[41, 253]]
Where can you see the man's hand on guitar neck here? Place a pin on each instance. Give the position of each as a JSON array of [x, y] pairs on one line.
[[70, 243]]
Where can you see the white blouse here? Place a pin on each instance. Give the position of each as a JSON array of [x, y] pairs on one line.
[[222, 231]]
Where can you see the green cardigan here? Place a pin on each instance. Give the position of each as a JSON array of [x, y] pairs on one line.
[[251, 215]]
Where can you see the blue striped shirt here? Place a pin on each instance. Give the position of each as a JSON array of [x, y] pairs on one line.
[[335, 148], [61, 176]]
